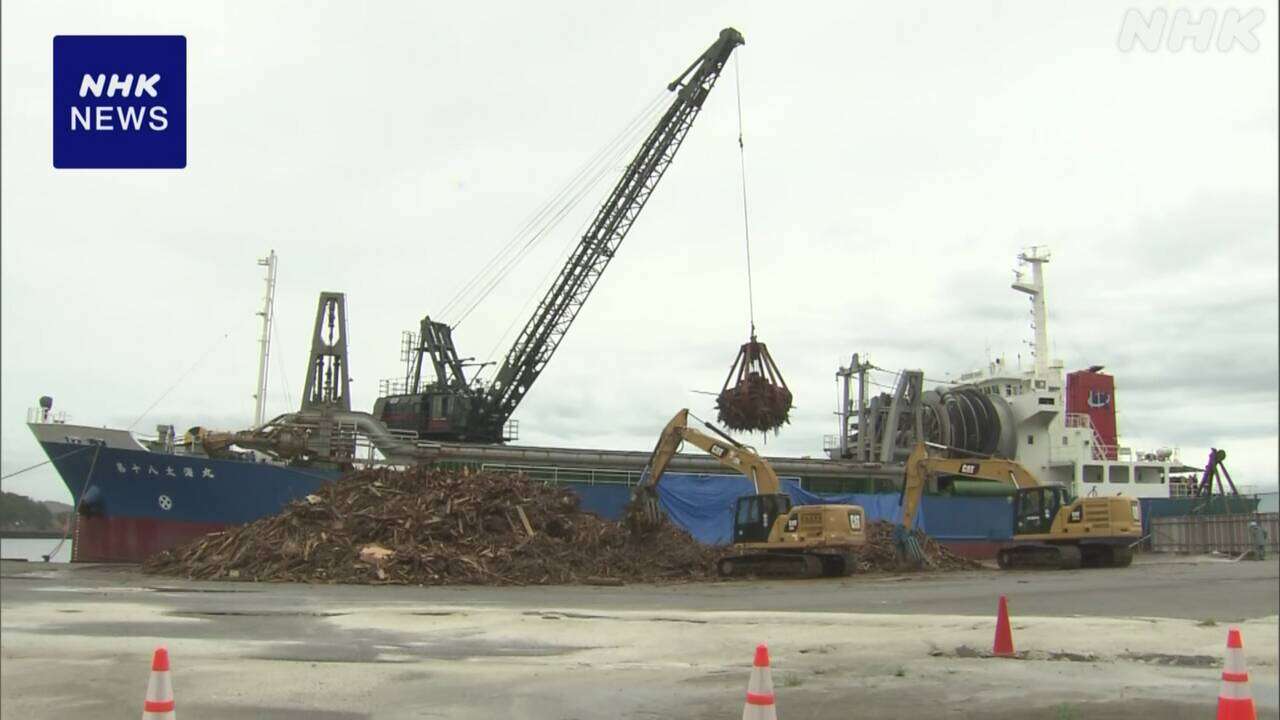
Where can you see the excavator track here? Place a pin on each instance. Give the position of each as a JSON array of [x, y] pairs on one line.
[[1107, 555], [1045, 557], [791, 565]]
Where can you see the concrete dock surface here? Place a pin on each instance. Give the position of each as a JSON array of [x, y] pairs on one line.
[[1148, 640]]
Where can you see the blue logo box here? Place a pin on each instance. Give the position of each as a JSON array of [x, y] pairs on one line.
[[119, 101]]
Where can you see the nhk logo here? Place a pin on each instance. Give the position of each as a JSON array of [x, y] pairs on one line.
[[119, 101], [100, 117]]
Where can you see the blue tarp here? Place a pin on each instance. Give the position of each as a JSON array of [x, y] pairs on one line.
[[608, 501], [704, 505]]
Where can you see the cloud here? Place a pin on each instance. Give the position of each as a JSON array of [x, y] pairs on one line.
[[891, 180]]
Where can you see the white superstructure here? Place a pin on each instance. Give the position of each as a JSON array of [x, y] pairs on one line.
[[1016, 412], [1058, 446]]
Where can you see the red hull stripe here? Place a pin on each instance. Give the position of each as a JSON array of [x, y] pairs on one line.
[[122, 539], [759, 698], [157, 706]]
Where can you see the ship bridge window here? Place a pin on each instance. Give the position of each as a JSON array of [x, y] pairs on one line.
[[1008, 391], [1039, 384], [1046, 401], [1119, 474], [1092, 473], [1150, 476]]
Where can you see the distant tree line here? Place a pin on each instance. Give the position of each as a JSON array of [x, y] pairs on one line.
[[19, 512]]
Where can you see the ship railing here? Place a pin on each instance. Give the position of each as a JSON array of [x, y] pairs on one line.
[[363, 449], [38, 416], [392, 386], [345, 441], [1101, 450], [556, 475]]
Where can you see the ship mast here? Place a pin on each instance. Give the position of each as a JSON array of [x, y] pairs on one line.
[[1036, 256], [264, 342]]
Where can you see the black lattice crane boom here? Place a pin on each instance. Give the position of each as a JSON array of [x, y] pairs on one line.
[[481, 414]]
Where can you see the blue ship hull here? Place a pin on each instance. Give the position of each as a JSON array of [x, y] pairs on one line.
[[133, 503]]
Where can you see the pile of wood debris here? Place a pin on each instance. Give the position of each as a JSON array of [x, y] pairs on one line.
[[880, 552], [432, 526]]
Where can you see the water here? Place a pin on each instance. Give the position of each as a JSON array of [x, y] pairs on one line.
[[34, 549]]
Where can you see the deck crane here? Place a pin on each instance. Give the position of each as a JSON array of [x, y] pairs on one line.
[[453, 408]]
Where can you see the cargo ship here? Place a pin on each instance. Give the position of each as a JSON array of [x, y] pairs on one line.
[[136, 495]]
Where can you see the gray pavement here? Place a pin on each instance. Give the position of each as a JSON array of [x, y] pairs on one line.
[[1193, 588], [82, 634]]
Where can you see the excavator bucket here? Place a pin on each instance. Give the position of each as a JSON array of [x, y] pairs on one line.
[[907, 544], [754, 397]]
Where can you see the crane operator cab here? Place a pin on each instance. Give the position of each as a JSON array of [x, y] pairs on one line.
[[755, 516]]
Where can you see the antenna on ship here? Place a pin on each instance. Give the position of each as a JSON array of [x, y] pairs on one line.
[[264, 342], [1036, 256]]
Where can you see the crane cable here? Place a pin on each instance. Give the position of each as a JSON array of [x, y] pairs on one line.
[[226, 334], [589, 184], [746, 225], [534, 228]]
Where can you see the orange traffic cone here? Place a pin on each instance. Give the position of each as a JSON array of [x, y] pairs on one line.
[[158, 704], [759, 704], [1234, 701], [1004, 634]]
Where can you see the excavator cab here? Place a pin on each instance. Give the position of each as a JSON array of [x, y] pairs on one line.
[[1035, 508], [755, 515]]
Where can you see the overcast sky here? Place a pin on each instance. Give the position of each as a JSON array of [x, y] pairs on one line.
[[899, 156]]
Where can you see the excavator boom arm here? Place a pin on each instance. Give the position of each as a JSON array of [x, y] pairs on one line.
[[920, 467], [727, 452]]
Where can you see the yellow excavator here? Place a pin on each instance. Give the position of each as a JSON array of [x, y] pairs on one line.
[[770, 536], [1050, 528]]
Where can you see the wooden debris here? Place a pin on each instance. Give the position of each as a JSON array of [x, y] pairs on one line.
[[880, 554], [754, 405], [754, 396], [524, 520], [430, 526]]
